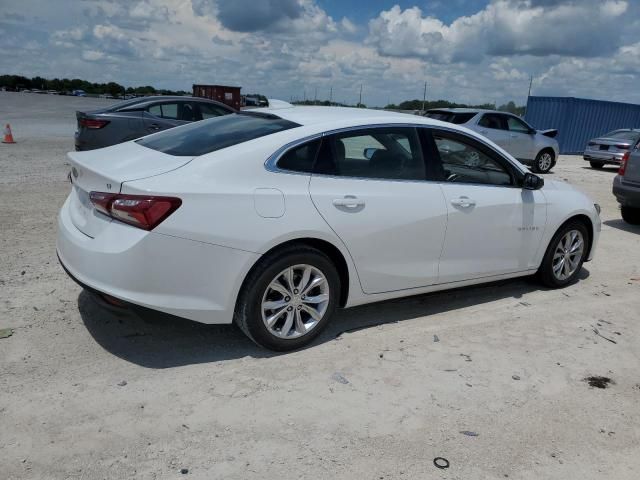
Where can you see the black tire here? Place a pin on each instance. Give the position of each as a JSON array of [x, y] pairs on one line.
[[545, 272], [248, 313], [596, 165], [631, 215], [541, 165]]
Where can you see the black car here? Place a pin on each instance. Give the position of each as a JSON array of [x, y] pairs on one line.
[[141, 116]]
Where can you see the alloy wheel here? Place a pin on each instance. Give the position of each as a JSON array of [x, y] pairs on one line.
[[544, 162], [567, 255], [295, 301]]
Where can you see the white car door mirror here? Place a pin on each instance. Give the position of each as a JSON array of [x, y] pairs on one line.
[[532, 182]]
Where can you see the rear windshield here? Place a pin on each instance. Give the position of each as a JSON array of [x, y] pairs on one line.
[[623, 134], [452, 117], [216, 133]]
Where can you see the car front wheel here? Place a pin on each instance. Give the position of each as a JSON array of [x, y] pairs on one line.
[[631, 215], [564, 256], [544, 162], [288, 298]]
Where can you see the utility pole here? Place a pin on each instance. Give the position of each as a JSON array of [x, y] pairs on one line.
[[315, 98], [424, 96], [304, 93], [330, 94], [360, 98], [528, 94]]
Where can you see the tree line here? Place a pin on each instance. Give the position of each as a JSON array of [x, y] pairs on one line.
[[67, 85], [510, 107]]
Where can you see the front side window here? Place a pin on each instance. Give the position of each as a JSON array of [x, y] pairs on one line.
[[493, 121], [517, 125], [199, 138], [391, 153], [464, 162]]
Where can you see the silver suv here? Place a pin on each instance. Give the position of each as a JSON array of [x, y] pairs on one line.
[[539, 149]]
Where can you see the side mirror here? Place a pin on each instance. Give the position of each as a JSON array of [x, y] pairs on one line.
[[368, 152], [532, 131], [532, 182]]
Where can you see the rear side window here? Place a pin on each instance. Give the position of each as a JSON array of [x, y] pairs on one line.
[[494, 121], [165, 110], [208, 110], [392, 153], [214, 134], [301, 158], [451, 117]]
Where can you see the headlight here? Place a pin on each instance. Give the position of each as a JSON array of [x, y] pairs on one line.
[[597, 207]]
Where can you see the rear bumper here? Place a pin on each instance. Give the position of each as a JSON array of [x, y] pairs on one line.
[[628, 195], [188, 279], [603, 157]]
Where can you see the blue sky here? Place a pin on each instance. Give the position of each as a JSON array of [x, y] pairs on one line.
[[466, 50]]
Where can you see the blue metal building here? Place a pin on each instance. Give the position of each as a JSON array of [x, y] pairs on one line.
[[578, 120]]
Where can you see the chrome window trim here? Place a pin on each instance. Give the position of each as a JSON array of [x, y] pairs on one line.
[[271, 164]]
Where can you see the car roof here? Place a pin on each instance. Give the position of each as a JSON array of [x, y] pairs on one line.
[[315, 115], [127, 104], [466, 110]]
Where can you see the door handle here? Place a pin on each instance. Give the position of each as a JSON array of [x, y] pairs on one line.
[[483, 131], [154, 126], [349, 201], [513, 135], [464, 202]]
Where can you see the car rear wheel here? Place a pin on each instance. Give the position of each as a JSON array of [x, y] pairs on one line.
[[288, 298], [597, 165], [564, 256], [631, 215], [544, 161]]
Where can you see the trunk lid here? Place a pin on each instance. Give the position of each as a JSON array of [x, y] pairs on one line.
[[632, 172], [105, 170]]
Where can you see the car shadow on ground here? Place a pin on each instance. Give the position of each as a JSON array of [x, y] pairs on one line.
[[156, 340], [622, 225], [604, 169]]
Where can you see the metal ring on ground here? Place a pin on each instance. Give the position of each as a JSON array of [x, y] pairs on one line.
[[441, 462]]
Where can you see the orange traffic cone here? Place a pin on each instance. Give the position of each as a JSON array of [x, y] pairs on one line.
[[8, 137]]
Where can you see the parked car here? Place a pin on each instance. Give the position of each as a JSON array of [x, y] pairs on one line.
[[141, 116], [79, 93], [272, 218], [538, 149], [626, 185], [611, 147]]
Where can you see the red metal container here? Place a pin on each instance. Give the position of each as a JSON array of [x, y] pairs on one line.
[[221, 93]]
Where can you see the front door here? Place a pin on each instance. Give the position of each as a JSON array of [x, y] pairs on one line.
[[494, 226], [369, 185], [522, 140]]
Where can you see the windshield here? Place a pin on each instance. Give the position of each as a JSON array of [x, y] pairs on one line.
[[623, 135], [214, 134]]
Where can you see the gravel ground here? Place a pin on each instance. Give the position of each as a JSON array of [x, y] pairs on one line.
[[491, 377]]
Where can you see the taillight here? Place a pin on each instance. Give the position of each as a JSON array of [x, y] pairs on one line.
[[93, 123], [622, 147], [623, 164], [142, 211]]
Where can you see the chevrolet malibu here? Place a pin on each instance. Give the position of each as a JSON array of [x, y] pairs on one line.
[[272, 219]]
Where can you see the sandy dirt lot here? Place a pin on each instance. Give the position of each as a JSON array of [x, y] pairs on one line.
[[490, 378]]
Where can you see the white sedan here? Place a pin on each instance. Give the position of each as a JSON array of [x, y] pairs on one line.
[[272, 219]]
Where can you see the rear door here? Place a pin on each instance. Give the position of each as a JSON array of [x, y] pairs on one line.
[[370, 187], [494, 226], [494, 127], [632, 171]]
